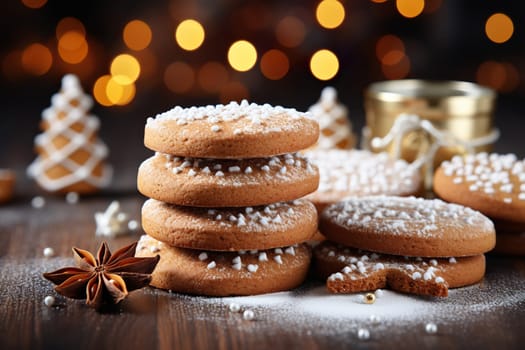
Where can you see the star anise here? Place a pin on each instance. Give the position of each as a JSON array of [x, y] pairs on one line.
[[105, 280]]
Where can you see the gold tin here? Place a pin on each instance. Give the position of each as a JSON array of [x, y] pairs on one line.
[[464, 109]]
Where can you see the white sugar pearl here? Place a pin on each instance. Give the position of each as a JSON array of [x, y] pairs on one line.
[[234, 307], [375, 319], [49, 300], [38, 202], [72, 197], [431, 328], [133, 225], [248, 315], [379, 293], [49, 252], [363, 334]]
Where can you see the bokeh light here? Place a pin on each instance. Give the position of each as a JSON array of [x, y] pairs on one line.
[[501, 76], [390, 50], [324, 64], [137, 35], [119, 94], [212, 76], [499, 28], [242, 55], [234, 91], [399, 70], [99, 90], [37, 59], [432, 6], [189, 34], [34, 4], [274, 64], [125, 69], [72, 47], [410, 8], [378, 1], [330, 14], [290, 31], [179, 77], [69, 24]]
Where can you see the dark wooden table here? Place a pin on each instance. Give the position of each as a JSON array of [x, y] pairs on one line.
[[150, 318]]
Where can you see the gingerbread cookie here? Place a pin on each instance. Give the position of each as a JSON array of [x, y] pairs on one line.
[[71, 158], [494, 184], [345, 173], [230, 131], [227, 182], [408, 226], [226, 273], [7, 184], [271, 226], [335, 126], [350, 270]]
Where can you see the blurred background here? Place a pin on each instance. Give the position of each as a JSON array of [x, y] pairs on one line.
[[140, 58]]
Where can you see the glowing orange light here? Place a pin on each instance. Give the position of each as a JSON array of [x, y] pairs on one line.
[[189, 34], [501, 76], [212, 76], [119, 94], [179, 77], [432, 5], [242, 55], [34, 4], [392, 57], [397, 71], [125, 69], [388, 43], [499, 28], [324, 64], [137, 35], [99, 91], [37, 59], [234, 91], [410, 8], [378, 1], [72, 47], [290, 31], [330, 14], [274, 64], [69, 24]]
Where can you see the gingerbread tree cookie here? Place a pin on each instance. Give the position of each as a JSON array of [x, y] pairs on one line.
[[71, 158], [332, 116]]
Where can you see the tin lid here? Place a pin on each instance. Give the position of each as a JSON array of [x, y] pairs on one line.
[[453, 97]]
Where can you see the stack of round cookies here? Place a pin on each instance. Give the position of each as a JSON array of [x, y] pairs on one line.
[[494, 184], [225, 211], [408, 244]]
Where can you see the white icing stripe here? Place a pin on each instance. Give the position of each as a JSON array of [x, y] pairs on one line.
[[69, 115]]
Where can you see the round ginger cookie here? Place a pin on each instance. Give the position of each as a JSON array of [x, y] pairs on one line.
[[349, 270], [226, 182], [226, 273], [229, 229], [408, 226], [494, 184], [230, 131], [7, 184], [345, 173]]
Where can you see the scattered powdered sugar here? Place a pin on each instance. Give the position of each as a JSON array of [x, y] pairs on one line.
[[356, 172], [238, 171], [406, 215], [255, 115], [490, 174]]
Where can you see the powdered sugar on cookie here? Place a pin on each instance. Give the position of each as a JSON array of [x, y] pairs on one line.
[[408, 216], [361, 173], [256, 116], [493, 175]]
